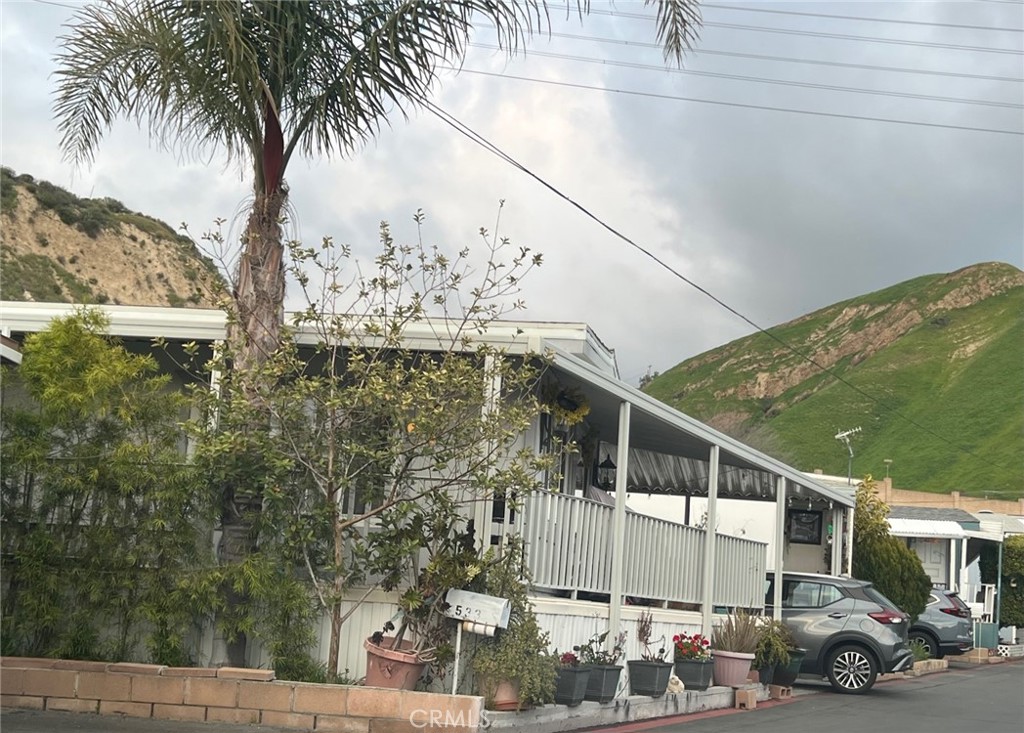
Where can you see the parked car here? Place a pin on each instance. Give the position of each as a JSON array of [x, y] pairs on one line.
[[851, 632], [944, 627]]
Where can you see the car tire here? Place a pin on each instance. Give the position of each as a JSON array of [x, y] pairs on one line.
[[930, 642], [851, 670]]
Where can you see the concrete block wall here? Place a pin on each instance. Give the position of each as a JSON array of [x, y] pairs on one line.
[[228, 695]]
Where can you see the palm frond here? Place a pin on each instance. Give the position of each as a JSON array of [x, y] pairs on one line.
[[208, 73], [678, 23]]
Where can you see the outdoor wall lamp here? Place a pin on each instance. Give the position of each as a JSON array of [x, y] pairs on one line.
[[606, 473]]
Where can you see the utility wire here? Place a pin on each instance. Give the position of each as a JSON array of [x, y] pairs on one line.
[[741, 105], [761, 57], [471, 134], [899, 21], [762, 80], [840, 64], [823, 34]]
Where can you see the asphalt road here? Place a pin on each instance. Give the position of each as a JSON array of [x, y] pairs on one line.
[[987, 699], [977, 700]]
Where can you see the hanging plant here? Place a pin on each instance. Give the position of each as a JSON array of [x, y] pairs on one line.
[[566, 405]]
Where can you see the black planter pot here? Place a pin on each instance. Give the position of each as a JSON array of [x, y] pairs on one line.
[[785, 676], [766, 675], [571, 685], [603, 682], [648, 678], [695, 674]]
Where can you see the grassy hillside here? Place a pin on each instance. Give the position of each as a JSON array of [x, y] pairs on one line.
[[57, 247], [945, 351]]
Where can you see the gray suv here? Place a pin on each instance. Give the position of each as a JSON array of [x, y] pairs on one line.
[[944, 627], [851, 632]]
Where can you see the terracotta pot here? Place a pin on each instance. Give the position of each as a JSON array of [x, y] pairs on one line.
[[731, 668], [398, 669], [504, 695]]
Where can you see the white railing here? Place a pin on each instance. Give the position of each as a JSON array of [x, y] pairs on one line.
[[569, 548]]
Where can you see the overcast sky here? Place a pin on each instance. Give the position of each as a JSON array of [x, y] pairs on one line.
[[776, 213]]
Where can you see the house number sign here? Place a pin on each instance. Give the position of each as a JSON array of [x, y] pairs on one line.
[[478, 608], [480, 614]]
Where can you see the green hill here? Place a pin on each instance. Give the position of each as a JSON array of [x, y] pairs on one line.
[[945, 351]]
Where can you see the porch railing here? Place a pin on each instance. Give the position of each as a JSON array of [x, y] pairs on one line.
[[569, 548]]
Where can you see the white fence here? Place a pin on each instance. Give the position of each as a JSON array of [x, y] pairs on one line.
[[569, 548]]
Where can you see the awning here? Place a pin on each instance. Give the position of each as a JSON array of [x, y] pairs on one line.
[[937, 528]]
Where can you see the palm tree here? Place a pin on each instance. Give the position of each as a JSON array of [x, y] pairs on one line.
[[264, 79]]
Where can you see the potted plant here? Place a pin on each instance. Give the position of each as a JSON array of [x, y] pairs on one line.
[[604, 673], [785, 674], [733, 645], [425, 634], [514, 669], [393, 662], [772, 649], [693, 665], [648, 675], [571, 683]]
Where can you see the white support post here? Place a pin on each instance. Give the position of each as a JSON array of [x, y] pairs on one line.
[[961, 578], [482, 508], [707, 578], [849, 541], [618, 548], [951, 572], [837, 541], [780, 545]]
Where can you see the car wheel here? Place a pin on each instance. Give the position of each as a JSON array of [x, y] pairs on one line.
[[929, 642], [851, 670]]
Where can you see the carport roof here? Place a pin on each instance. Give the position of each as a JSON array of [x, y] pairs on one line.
[[684, 442]]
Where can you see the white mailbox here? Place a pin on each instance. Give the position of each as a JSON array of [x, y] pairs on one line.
[[480, 614], [478, 608]]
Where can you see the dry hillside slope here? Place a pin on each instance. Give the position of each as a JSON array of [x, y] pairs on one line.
[[56, 247]]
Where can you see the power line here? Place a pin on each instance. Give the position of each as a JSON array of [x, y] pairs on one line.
[[762, 80], [741, 105], [898, 21], [824, 34], [471, 134], [764, 57], [845, 65], [790, 59]]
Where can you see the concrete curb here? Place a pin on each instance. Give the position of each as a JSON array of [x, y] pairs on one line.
[[631, 709]]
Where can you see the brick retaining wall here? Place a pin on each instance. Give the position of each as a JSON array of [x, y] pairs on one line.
[[227, 695]]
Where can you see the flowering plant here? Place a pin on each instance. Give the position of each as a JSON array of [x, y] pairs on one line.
[[568, 659], [691, 646]]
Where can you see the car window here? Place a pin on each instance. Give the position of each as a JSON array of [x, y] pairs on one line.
[[932, 600], [808, 594]]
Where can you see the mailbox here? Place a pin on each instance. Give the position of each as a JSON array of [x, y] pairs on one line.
[[478, 608]]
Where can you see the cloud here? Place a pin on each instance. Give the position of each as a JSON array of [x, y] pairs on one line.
[[777, 214]]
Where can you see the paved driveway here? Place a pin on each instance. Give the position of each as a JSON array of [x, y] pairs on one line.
[[987, 699]]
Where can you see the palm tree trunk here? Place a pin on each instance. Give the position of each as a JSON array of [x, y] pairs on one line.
[[259, 293], [253, 335]]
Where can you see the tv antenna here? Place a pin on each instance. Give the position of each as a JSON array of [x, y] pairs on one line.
[[844, 436]]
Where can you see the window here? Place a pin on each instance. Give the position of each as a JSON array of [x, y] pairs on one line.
[[808, 594]]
